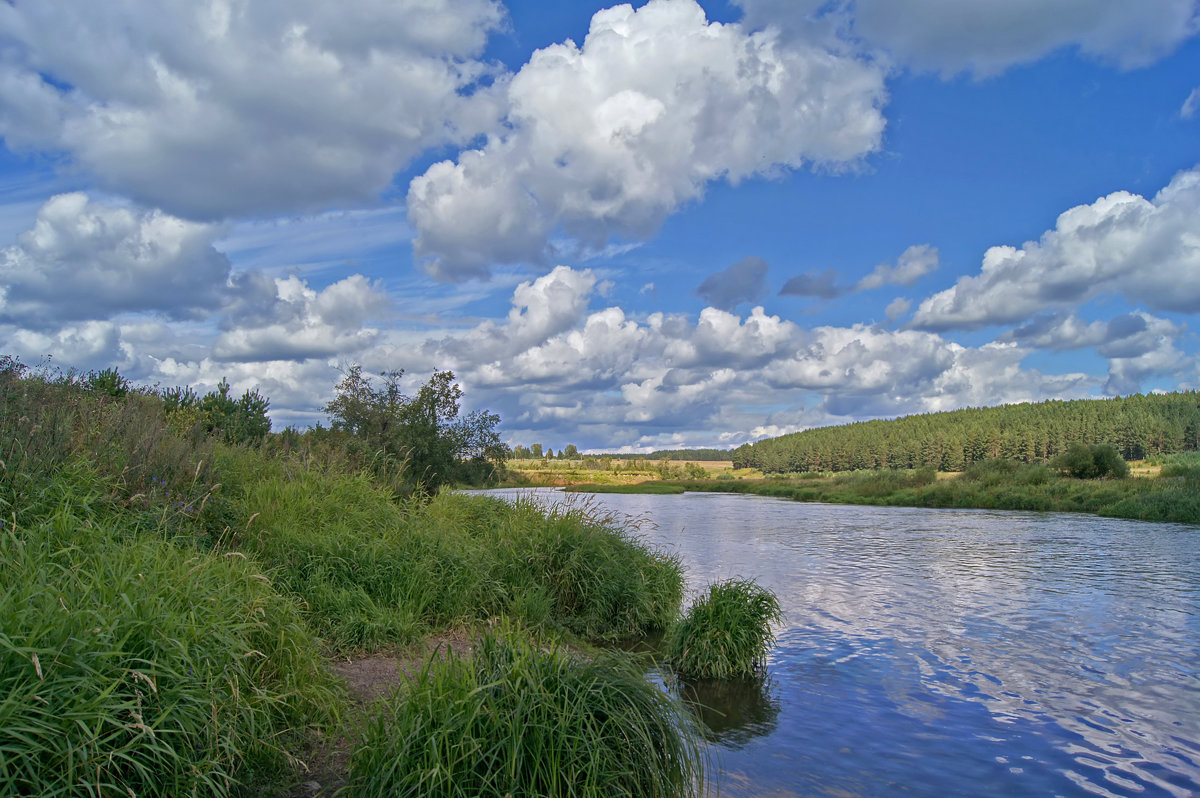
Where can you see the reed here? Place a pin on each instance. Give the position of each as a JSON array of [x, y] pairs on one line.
[[726, 633], [520, 719]]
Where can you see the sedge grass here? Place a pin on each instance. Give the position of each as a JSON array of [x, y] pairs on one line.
[[726, 633], [374, 572], [131, 666], [518, 719]]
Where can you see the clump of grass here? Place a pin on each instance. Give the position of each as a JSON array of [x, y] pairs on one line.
[[132, 666], [726, 633], [518, 719]]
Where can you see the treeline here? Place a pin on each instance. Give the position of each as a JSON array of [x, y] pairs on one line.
[[1138, 426], [700, 455], [571, 452]]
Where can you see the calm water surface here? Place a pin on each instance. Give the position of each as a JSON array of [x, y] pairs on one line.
[[932, 653]]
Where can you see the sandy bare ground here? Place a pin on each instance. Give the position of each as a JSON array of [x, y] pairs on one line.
[[368, 679]]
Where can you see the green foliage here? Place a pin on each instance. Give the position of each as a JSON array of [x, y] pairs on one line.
[[108, 382], [242, 420], [520, 719], [190, 555], [1185, 466], [653, 487], [1090, 462], [422, 435], [726, 633], [1137, 426], [132, 666], [374, 572]]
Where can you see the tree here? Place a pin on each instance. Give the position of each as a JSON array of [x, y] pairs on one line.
[[1090, 462], [241, 420], [570, 452], [424, 432]]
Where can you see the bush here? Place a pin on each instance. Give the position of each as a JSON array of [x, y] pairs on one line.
[[1090, 462], [726, 634], [521, 720]]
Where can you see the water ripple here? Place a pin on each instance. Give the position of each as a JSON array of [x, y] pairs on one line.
[[940, 653]]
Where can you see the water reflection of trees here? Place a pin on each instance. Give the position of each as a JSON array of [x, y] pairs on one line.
[[734, 712]]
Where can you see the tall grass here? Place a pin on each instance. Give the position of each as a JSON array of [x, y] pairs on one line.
[[165, 598], [518, 719], [726, 633], [376, 572], [137, 667]]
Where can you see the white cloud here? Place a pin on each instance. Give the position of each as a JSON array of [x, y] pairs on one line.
[[1145, 250], [609, 138], [88, 260], [987, 36], [897, 308], [913, 264], [82, 345], [1191, 105], [554, 364], [295, 322], [228, 107]]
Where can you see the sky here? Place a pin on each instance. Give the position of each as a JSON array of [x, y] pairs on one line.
[[632, 227]]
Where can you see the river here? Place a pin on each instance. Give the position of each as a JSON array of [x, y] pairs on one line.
[[948, 652]]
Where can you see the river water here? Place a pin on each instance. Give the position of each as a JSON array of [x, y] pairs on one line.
[[948, 652]]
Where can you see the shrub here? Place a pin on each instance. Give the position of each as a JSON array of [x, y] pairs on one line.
[[726, 634], [521, 720], [1090, 462]]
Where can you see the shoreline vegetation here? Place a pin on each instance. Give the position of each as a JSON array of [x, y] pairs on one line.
[[190, 605], [193, 605], [1135, 457], [1162, 488]]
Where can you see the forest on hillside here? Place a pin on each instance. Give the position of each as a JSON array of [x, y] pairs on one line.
[[1138, 426]]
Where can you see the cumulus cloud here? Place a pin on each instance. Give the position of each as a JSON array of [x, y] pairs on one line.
[[913, 264], [230, 107], [987, 36], [822, 285], [285, 319], [89, 260], [744, 281], [1141, 351], [601, 374], [1146, 250], [609, 138], [897, 308]]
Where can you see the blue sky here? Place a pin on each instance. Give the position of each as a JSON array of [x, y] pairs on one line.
[[662, 225]]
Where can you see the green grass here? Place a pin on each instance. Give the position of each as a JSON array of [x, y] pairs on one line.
[[995, 485], [167, 600], [374, 572], [726, 633], [652, 487], [134, 666], [520, 719]]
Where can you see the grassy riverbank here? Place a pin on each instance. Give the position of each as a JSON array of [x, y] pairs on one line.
[[1167, 491], [171, 604]]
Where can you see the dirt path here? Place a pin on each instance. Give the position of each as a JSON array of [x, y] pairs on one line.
[[368, 679]]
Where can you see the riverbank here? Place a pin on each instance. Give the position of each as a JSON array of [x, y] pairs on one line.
[[180, 615], [1169, 491]]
